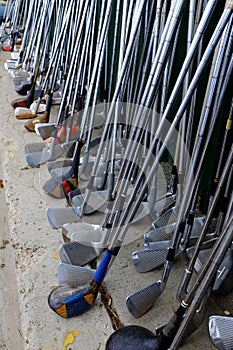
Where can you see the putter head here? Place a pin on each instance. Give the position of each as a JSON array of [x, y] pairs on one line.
[[221, 332], [140, 302]]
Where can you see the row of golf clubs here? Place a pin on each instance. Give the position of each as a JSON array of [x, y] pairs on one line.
[[13, 24], [121, 217]]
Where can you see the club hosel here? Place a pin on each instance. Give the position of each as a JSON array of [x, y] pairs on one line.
[[49, 98], [182, 289], [84, 163], [190, 219], [103, 183], [111, 180], [172, 187], [168, 332], [91, 183]]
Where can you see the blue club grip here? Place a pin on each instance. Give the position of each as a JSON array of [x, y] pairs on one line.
[[102, 268]]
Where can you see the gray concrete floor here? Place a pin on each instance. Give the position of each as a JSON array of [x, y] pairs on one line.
[[29, 260]]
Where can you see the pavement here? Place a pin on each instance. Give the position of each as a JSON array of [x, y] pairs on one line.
[[29, 260]]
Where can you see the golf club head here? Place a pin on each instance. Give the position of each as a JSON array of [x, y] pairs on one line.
[[59, 164], [160, 234], [23, 88], [224, 270], [92, 233], [69, 302], [45, 130], [35, 147], [57, 217], [149, 259], [39, 158], [51, 153], [221, 331], [96, 200], [20, 73], [167, 218], [54, 188], [146, 260], [78, 253], [143, 300], [24, 113], [21, 81], [132, 338], [73, 275], [166, 232], [21, 102], [62, 173], [143, 211]]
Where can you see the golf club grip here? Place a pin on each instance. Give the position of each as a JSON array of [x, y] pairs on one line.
[[102, 268]]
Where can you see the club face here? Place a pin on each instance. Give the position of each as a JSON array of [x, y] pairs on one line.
[[62, 173], [54, 188], [78, 253], [34, 147], [148, 259], [74, 276], [132, 338], [90, 235], [169, 217], [160, 234], [42, 157], [58, 164], [45, 130], [221, 332], [57, 217], [95, 201], [35, 159], [143, 300]]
